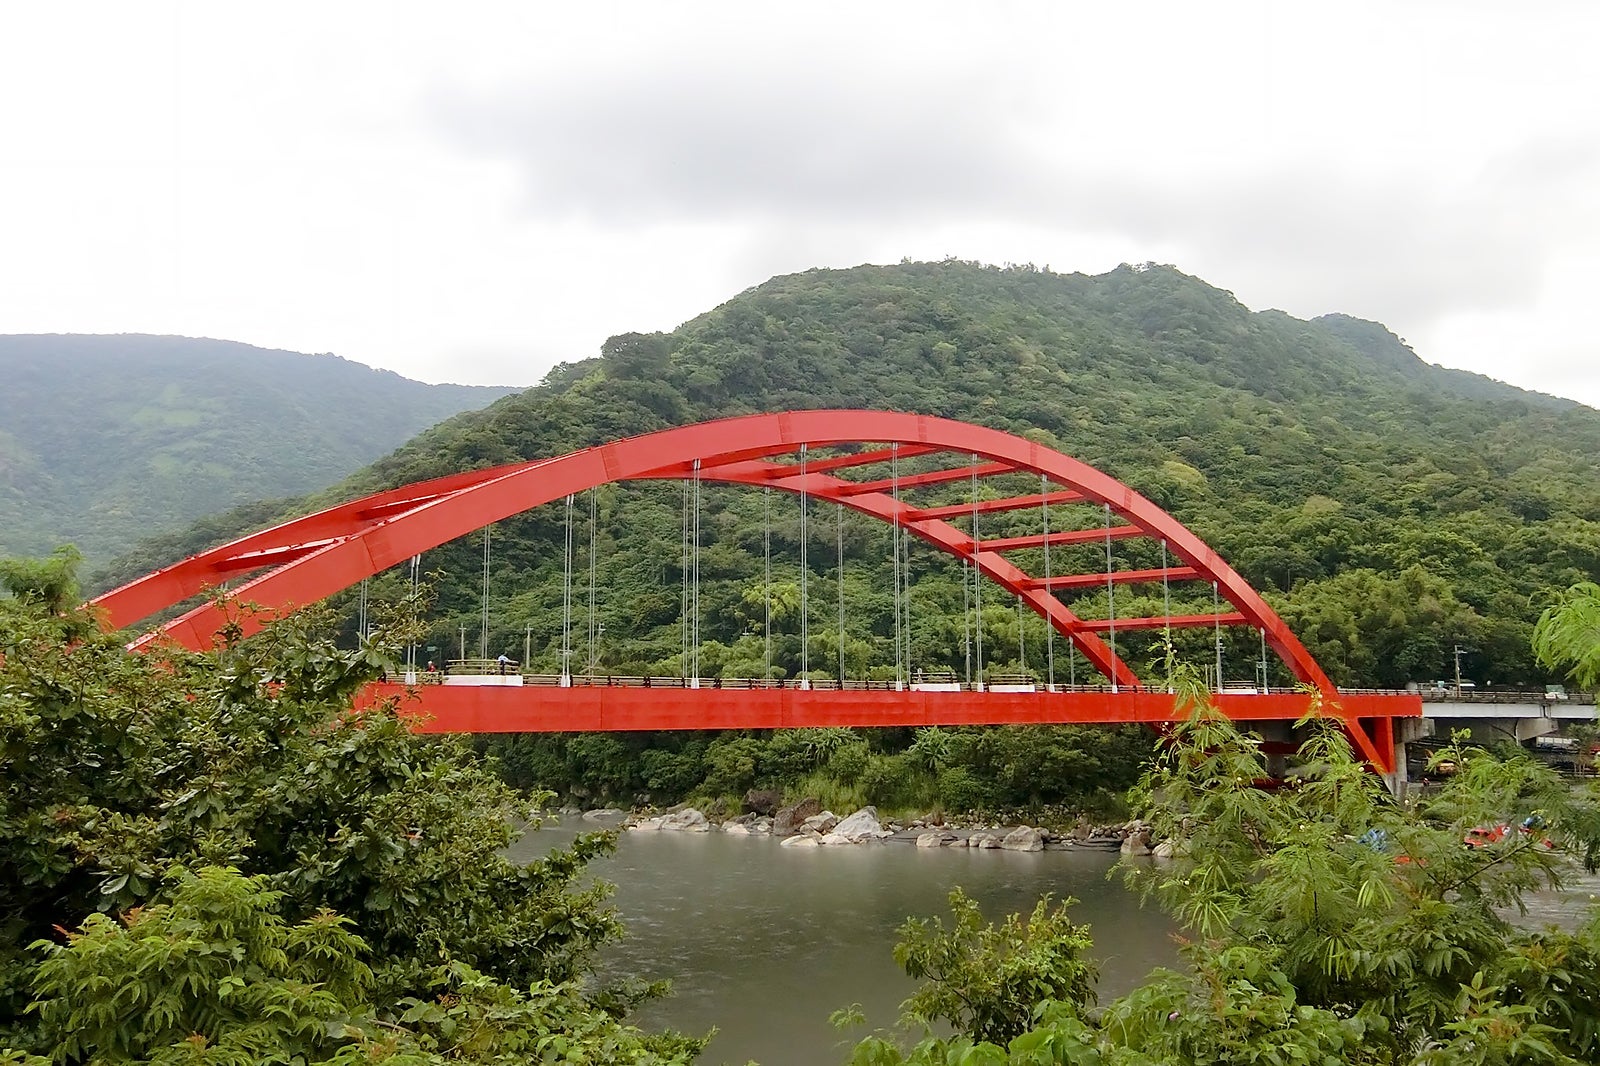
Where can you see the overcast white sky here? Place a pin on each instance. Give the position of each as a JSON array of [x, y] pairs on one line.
[[476, 191]]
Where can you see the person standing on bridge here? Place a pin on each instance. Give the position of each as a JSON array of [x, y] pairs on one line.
[[504, 662]]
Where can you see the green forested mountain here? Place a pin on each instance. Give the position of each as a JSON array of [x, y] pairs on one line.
[[1390, 509], [106, 439]]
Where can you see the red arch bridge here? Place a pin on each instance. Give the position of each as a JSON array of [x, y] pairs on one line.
[[879, 464]]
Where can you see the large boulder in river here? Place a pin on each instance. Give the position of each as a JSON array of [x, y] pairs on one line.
[[1139, 841], [789, 819], [821, 824], [805, 840], [935, 838], [1024, 838], [862, 825], [687, 820], [983, 839], [1167, 849], [762, 801]]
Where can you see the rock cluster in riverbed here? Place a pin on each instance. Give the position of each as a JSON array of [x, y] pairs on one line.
[[687, 820], [806, 825]]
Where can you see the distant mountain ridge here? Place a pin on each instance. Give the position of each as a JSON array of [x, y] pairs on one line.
[[1374, 340], [107, 439]]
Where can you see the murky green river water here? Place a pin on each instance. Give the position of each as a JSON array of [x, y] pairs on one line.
[[763, 942]]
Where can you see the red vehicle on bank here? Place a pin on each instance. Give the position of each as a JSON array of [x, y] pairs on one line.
[[1484, 835]]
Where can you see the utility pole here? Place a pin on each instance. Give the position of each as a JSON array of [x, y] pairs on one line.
[[463, 643], [1460, 651], [527, 647]]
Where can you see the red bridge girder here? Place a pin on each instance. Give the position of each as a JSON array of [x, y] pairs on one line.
[[311, 558], [599, 707]]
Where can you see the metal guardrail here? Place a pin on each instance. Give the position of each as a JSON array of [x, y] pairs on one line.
[[927, 682], [1507, 696], [931, 681], [1432, 695], [480, 667], [490, 668]]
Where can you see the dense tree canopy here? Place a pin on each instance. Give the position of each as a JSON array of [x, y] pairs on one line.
[[1025, 771], [1326, 923], [212, 847]]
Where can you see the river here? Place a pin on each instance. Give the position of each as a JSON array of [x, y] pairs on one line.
[[764, 942]]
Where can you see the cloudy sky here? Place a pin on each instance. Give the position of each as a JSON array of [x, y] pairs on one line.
[[475, 191]]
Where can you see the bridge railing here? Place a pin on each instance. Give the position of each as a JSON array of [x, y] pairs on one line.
[[477, 666], [1506, 696], [1472, 695], [489, 670]]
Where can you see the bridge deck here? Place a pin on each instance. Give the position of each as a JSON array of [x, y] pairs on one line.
[[602, 708]]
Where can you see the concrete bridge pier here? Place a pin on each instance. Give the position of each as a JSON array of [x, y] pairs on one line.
[[1405, 731], [1278, 742]]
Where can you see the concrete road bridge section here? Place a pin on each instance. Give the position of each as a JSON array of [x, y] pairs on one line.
[[1494, 716], [854, 459]]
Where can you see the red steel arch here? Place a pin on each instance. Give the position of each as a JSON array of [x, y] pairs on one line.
[[310, 558]]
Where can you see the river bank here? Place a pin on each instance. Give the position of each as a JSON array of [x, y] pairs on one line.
[[806, 824]]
